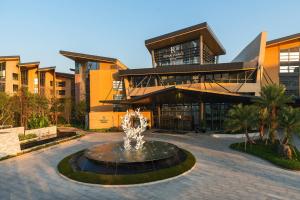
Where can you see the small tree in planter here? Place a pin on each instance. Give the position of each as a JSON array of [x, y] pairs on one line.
[[242, 118]]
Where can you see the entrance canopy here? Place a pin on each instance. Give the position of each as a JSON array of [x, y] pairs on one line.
[[185, 95]]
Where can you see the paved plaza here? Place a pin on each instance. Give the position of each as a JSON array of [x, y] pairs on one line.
[[220, 173]]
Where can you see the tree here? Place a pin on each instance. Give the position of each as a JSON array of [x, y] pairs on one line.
[[242, 118], [6, 110], [263, 117], [289, 120], [273, 98], [78, 113]]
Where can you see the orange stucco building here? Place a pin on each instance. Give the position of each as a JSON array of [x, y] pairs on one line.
[[186, 88], [15, 75]]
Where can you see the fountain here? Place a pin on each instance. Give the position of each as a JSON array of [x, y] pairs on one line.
[[133, 154]]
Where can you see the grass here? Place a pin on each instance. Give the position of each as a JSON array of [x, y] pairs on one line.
[[27, 137], [65, 168], [269, 152]]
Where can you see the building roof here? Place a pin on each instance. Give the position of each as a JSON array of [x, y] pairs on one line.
[[66, 75], [10, 57], [191, 68], [186, 34], [29, 64], [86, 57], [284, 39], [46, 68]]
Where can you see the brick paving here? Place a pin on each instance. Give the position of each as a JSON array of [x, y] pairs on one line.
[[220, 173]]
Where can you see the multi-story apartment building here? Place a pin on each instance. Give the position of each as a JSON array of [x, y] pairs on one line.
[[187, 87], [15, 75]]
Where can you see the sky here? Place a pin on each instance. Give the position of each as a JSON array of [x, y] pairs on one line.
[[37, 29]]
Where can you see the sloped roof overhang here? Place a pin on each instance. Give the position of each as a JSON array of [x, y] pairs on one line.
[[182, 95], [86, 57], [187, 34]]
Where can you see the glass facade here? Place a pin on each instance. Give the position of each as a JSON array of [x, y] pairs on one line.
[[187, 116], [289, 70], [217, 77], [184, 53]]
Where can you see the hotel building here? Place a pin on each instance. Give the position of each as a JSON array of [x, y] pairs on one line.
[[186, 88], [15, 75]]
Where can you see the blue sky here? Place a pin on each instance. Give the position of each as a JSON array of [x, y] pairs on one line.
[[36, 30]]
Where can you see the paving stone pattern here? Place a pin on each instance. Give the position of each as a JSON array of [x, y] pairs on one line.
[[220, 173]]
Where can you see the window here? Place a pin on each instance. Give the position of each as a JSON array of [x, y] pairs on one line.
[[15, 88], [42, 79], [118, 96], [118, 85], [36, 81], [289, 60], [2, 70], [51, 83], [77, 67], [36, 90], [15, 76], [61, 92], [61, 84], [24, 77], [2, 87], [184, 53], [92, 66]]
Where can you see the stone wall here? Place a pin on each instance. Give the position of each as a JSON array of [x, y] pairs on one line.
[[9, 141], [43, 132]]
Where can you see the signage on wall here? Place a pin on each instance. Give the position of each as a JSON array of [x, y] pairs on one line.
[[173, 53], [103, 120]]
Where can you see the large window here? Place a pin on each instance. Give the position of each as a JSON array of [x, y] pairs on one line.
[[24, 77], [42, 79], [289, 70], [184, 53], [289, 60], [2, 70], [217, 77], [118, 85]]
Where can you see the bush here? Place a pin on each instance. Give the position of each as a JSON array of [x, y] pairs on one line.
[[37, 122], [270, 153], [27, 137]]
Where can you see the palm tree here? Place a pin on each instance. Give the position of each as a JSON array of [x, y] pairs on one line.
[[273, 98], [242, 118], [289, 120], [263, 117]]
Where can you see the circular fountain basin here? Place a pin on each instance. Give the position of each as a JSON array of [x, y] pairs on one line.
[[112, 158]]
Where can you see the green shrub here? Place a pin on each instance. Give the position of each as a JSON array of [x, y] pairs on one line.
[[37, 122], [270, 153], [27, 137]]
